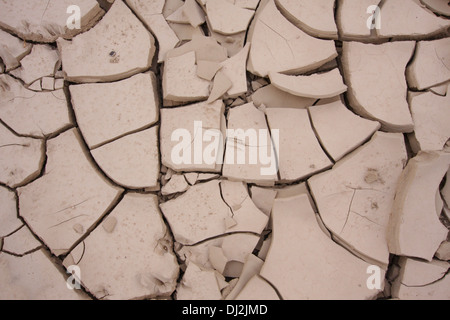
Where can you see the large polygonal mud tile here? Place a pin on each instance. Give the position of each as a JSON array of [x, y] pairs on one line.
[[354, 18], [69, 198], [355, 199], [117, 47], [47, 20], [33, 277], [332, 122], [12, 50], [188, 134], [106, 111], [249, 155], [279, 46], [299, 152], [375, 75], [131, 161], [420, 280], [129, 254], [314, 17], [21, 159], [38, 114], [414, 227], [318, 268]]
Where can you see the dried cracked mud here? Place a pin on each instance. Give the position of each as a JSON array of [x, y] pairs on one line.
[[225, 149]]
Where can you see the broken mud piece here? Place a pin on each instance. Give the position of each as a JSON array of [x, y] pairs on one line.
[[12, 50], [315, 18], [131, 161], [116, 112], [279, 46], [355, 199], [220, 86], [252, 266], [133, 46], [272, 97], [176, 184], [317, 86], [198, 284], [21, 159], [227, 18], [71, 190], [332, 122], [20, 242], [207, 69], [235, 69], [131, 229], [47, 20], [294, 221], [377, 90], [420, 280], [414, 228]]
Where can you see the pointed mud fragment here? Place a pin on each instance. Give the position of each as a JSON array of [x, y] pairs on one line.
[[69, 192], [198, 284], [251, 268], [12, 50], [122, 47], [414, 227], [355, 199]]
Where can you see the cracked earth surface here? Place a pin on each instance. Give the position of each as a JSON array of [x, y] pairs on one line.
[[117, 155]]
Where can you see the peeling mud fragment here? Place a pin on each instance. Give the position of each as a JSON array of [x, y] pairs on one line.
[[198, 214], [180, 80], [198, 284], [445, 191], [220, 86], [314, 17], [440, 90], [409, 19], [12, 50], [443, 253], [377, 89], [317, 86], [294, 222], [332, 122], [20, 242], [205, 48], [437, 6], [227, 18], [235, 69], [352, 18], [414, 227], [8, 213], [33, 277], [137, 253], [420, 280], [251, 268], [47, 20], [186, 32], [249, 153], [355, 199], [191, 177], [431, 114], [106, 111], [279, 46], [183, 143], [257, 289], [299, 151], [233, 43], [176, 184], [132, 161], [69, 192], [431, 64], [207, 69], [263, 198], [21, 159], [272, 97], [119, 46], [37, 114], [43, 61]]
